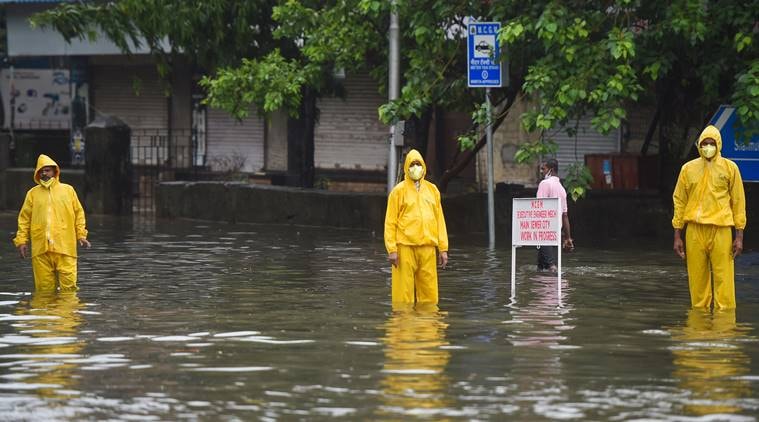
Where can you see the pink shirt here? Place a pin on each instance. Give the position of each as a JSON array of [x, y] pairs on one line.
[[551, 188]]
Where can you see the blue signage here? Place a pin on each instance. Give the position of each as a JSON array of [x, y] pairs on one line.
[[735, 142], [483, 55]]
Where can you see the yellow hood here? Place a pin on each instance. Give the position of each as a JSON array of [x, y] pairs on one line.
[[710, 132], [43, 161], [412, 156]]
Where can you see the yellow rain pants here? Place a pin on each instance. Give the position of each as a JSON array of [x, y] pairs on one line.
[[415, 277], [51, 269], [709, 257]]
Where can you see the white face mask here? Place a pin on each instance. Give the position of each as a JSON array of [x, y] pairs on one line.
[[709, 151], [416, 172]]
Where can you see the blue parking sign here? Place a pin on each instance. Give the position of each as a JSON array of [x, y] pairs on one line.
[[483, 55]]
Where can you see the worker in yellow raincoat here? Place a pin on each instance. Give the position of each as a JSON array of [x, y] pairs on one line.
[[51, 218], [414, 233], [709, 202]]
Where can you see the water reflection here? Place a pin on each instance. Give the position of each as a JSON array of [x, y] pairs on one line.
[[414, 382], [51, 321], [539, 331], [711, 362]]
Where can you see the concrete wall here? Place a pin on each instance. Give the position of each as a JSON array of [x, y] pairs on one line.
[[602, 216], [19, 180], [506, 140], [242, 202]]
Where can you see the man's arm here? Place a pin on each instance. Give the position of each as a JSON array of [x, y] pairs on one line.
[[679, 200], [391, 224], [568, 242], [442, 232], [738, 207], [80, 222], [737, 200], [21, 241], [738, 243], [678, 245]]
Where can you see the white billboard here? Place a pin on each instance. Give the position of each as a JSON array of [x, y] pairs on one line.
[[36, 98]]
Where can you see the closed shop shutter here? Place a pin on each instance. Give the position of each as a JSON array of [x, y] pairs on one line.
[[588, 141], [235, 145], [133, 94], [349, 134]]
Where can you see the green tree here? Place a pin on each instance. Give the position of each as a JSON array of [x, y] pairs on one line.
[[568, 59]]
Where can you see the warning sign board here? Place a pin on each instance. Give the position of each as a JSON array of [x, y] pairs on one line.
[[536, 222]]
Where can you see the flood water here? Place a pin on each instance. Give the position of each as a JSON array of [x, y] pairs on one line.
[[187, 320]]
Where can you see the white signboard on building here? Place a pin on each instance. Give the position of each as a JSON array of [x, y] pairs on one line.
[[535, 222], [36, 98]]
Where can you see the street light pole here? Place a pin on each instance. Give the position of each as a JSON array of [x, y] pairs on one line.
[[393, 91]]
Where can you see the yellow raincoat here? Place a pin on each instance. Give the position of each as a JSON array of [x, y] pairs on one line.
[[52, 218], [415, 228], [709, 200]]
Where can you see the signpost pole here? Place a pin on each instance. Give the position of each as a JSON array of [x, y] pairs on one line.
[[491, 198], [513, 272], [559, 248]]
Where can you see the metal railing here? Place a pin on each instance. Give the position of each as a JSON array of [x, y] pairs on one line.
[[157, 156]]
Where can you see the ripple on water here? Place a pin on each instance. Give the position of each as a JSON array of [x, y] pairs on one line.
[[656, 332], [335, 412], [363, 343], [237, 334], [39, 341], [174, 338], [26, 386], [233, 369], [7, 317], [115, 339], [270, 340]]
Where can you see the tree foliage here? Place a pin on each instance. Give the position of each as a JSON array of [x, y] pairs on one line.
[[569, 59], [212, 33]]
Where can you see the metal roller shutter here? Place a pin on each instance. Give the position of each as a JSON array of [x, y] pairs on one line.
[[231, 142], [135, 95], [145, 107], [588, 141], [349, 134]]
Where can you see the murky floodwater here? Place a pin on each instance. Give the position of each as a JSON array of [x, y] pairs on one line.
[[184, 320]]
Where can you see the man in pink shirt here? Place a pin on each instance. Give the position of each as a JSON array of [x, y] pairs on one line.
[[550, 187]]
